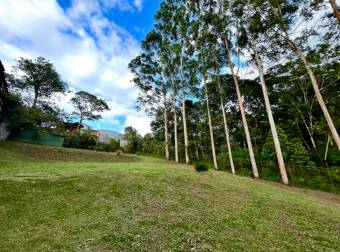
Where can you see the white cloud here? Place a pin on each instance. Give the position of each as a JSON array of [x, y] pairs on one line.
[[90, 51], [138, 4], [141, 123], [122, 5]]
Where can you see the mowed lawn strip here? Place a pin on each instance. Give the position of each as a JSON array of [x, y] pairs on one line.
[[103, 202]]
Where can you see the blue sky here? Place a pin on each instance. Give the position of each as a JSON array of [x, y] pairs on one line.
[[136, 21], [90, 42]]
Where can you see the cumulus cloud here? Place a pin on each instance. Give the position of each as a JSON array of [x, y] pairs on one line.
[[89, 50]]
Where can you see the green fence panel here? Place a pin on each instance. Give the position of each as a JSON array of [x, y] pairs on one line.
[[35, 137]]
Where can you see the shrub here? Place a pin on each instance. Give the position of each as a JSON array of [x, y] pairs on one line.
[[201, 167], [241, 158], [113, 146], [269, 170], [81, 140], [333, 157], [311, 165], [292, 149]]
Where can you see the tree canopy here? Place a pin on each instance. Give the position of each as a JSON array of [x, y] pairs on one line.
[[247, 76], [88, 106], [38, 78]]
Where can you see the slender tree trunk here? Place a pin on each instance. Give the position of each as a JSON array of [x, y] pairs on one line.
[[303, 139], [316, 90], [326, 151], [35, 99], [185, 129], [201, 148], [309, 131], [226, 129], [310, 127], [279, 156], [196, 149], [243, 113], [166, 127], [186, 140], [336, 10], [3, 87], [80, 122], [175, 124], [212, 141]]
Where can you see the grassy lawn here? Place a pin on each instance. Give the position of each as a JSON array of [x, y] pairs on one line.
[[55, 199]]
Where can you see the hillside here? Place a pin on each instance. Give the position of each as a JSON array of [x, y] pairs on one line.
[[64, 199]]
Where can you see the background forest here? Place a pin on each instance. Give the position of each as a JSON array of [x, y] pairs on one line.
[[251, 87]]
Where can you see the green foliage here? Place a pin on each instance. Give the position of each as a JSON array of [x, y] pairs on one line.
[[113, 146], [327, 179], [81, 140], [13, 112], [86, 105], [37, 77], [297, 154], [311, 165], [333, 157], [241, 158], [44, 117], [294, 153], [201, 166], [133, 139], [269, 171]]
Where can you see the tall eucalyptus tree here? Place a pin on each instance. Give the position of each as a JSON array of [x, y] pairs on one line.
[[149, 75], [166, 27], [226, 26], [205, 41], [251, 39], [277, 19], [225, 124], [182, 33]]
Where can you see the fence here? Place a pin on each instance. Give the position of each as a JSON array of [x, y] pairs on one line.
[[36, 137]]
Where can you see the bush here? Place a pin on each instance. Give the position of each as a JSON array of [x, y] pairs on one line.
[[333, 157], [311, 165], [113, 146], [269, 170], [241, 158], [292, 149], [201, 167], [82, 140]]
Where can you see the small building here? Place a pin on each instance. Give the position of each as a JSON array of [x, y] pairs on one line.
[[74, 126]]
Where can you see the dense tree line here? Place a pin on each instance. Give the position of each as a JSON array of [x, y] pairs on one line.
[[246, 81]]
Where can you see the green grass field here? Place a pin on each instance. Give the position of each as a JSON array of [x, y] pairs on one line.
[[55, 199]]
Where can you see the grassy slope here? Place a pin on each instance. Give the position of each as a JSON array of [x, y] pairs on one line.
[[103, 202]]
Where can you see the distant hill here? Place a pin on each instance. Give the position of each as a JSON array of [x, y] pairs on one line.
[[105, 136]]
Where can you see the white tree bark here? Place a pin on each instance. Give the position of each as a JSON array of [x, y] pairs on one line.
[[327, 146], [318, 95], [277, 145], [165, 127], [226, 129], [175, 123], [212, 141], [186, 140], [243, 113]]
